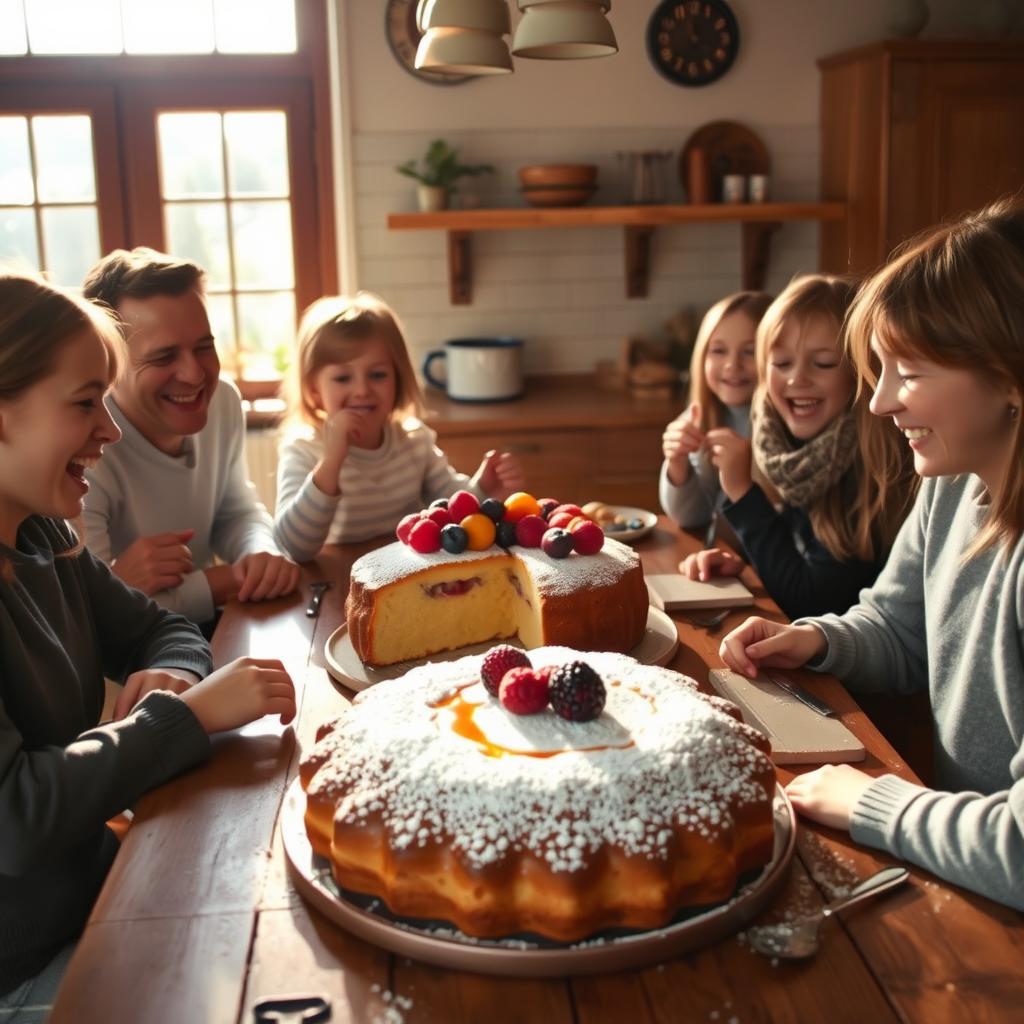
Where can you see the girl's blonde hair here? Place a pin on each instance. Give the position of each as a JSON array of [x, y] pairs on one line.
[[753, 305], [332, 330], [36, 322], [860, 516], [954, 295]]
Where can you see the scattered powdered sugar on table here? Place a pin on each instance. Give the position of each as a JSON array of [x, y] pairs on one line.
[[835, 875], [393, 1011]]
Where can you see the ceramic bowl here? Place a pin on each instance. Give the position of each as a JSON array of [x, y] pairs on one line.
[[545, 175], [566, 195]]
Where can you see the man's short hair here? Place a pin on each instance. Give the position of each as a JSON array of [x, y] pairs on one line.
[[140, 274]]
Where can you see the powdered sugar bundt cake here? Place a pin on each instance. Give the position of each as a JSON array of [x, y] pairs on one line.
[[430, 795], [403, 604]]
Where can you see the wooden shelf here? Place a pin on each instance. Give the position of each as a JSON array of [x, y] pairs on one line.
[[758, 220]]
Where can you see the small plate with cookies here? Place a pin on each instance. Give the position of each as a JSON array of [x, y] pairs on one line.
[[621, 522]]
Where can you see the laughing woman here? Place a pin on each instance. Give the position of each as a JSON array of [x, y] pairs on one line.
[[945, 323]]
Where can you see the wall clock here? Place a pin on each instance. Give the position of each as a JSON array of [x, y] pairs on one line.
[[403, 37], [693, 42]]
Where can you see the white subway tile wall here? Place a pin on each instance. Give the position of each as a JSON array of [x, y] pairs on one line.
[[562, 290]]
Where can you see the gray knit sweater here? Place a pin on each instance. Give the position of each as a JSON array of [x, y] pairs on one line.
[[957, 629], [65, 622]]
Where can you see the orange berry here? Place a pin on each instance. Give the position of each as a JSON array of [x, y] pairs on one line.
[[520, 504], [480, 530]]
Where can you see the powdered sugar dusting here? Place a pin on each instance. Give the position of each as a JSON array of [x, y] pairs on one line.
[[551, 575], [659, 757]]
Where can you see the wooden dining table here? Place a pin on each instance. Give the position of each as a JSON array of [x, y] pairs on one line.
[[199, 920]]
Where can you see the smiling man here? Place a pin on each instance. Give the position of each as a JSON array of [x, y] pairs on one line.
[[175, 494]]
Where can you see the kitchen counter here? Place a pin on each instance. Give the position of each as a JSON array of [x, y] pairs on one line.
[[576, 441]]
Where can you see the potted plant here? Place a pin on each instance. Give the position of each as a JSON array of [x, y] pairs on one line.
[[438, 174]]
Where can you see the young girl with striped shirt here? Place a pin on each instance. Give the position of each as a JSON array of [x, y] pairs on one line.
[[358, 458]]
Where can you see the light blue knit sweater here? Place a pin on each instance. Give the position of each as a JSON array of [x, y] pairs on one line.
[[932, 621]]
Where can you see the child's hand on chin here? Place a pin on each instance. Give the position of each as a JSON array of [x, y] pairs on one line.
[[730, 454], [829, 794], [500, 474]]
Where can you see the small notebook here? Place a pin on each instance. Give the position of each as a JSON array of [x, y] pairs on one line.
[[672, 592], [798, 734]]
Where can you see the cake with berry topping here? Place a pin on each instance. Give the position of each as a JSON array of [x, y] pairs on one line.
[[628, 798], [403, 604]]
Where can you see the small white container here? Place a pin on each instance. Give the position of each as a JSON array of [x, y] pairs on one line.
[[757, 188], [734, 188], [479, 369]]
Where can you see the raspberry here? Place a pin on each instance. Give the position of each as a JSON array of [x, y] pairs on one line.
[[545, 673], [529, 531], [522, 692], [425, 537], [438, 515], [405, 526], [587, 537], [576, 692], [462, 504], [497, 661]]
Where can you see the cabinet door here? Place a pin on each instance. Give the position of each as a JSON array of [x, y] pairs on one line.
[[957, 142]]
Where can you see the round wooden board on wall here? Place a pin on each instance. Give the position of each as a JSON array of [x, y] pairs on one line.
[[730, 148]]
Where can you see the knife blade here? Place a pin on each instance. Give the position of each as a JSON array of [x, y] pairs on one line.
[[814, 703]]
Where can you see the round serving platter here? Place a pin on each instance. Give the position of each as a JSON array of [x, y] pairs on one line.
[[657, 647], [442, 944]]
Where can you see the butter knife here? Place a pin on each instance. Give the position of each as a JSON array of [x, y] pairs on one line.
[[801, 694], [316, 591]]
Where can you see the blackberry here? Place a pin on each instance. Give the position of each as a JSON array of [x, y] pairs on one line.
[[505, 535], [493, 509], [576, 692]]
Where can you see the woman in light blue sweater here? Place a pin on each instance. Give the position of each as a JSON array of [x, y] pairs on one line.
[[944, 323]]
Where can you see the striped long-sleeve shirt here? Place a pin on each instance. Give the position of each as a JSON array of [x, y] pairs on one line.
[[378, 487]]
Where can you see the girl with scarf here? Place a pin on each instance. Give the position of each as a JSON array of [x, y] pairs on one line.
[[938, 335], [843, 477]]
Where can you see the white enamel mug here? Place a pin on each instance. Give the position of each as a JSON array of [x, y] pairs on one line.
[[479, 369]]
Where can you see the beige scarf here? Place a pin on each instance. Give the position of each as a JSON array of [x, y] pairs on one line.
[[801, 472]]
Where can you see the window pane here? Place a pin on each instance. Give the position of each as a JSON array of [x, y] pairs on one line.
[[64, 167], [222, 323], [12, 28], [191, 156], [263, 245], [71, 26], [199, 231], [267, 332], [15, 162], [255, 26], [157, 26], [71, 240], [257, 153], [19, 248]]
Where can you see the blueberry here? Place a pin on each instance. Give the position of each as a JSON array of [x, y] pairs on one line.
[[493, 509], [505, 535], [454, 538], [557, 543], [636, 524], [439, 503]]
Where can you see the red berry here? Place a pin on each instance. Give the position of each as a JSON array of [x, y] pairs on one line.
[[587, 537], [425, 537], [560, 519], [440, 516], [522, 692], [529, 531], [406, 524], [544, 673], [462, 504], [548, 505], [573, 510], [497, 661]]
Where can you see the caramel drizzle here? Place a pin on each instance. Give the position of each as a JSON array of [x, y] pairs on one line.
[[466, 727]]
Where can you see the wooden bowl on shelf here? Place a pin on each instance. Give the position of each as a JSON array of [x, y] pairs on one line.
[[558, 176], [558, 195]]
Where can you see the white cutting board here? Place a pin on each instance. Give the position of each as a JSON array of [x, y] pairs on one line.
[[798, 734]]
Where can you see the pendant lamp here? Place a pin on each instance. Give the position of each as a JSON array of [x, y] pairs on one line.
[[464, 36], [564, 30]]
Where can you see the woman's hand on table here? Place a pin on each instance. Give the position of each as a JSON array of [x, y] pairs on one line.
[[702, 565], [138, 684], [763, 642], [241, 692], [829, 794]]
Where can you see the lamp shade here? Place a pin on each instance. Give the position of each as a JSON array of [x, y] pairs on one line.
[[463, 51], [482, 15], [564, 30]]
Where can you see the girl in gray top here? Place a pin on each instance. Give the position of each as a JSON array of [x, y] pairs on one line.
[[944, 324], [66, 622]]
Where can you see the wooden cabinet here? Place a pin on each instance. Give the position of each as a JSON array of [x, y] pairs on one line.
[[575, 442], [914, 132]]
